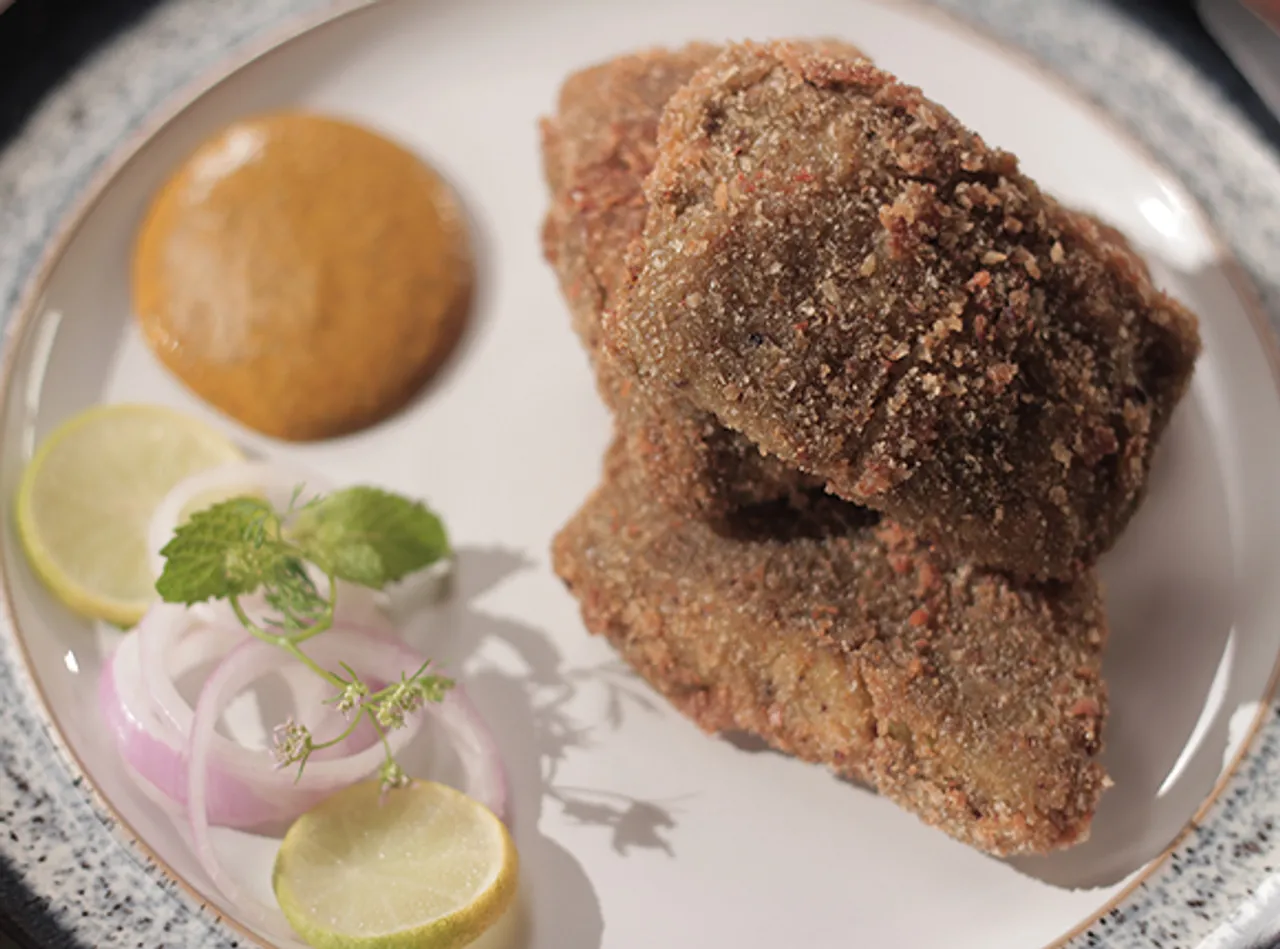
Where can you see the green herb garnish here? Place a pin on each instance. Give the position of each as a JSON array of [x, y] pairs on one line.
[[363, 535]]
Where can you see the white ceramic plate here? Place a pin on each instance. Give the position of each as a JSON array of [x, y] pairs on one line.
[[634, 829]]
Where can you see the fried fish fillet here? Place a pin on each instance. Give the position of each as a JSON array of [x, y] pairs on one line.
[[597, 150], [972, 700], [835, 267]]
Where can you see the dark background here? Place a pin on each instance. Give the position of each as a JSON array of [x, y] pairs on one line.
[[41, 41]]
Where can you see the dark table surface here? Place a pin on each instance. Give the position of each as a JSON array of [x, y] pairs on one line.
[[42, 41]]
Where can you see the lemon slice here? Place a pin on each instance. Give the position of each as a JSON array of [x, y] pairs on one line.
[[87, 496], [426, 867]]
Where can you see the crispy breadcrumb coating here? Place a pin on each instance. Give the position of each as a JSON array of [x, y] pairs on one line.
[[970, 699], [597, 150], [835, 267]]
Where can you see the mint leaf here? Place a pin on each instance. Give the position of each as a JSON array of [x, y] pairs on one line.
[[363, 535], [290, 591], [225, 550], [369, 536]]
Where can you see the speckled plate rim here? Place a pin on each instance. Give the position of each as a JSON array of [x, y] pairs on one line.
[[18, 323], [1140, 914]]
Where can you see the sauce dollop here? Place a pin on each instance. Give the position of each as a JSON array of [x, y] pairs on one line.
[[303, 274]]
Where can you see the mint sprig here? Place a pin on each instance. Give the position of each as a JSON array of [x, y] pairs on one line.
[[362, 535], [369, 536]]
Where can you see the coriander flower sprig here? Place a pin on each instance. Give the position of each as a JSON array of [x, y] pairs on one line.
[[362, 535]]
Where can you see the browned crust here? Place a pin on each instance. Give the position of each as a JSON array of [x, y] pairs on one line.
[[837, 268], [597, 150], [973, 701]]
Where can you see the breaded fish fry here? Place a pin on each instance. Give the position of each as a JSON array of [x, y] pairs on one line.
[[597, 150], [967, 698], [835, 267]]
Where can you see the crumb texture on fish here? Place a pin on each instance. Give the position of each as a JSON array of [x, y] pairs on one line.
[[597, 149], [833, 266], [972, 700]]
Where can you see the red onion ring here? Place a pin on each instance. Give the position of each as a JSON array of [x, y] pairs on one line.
[[152, 723], [158, 758], [175, 753], [485, 776], [235, 672], [485, 779]]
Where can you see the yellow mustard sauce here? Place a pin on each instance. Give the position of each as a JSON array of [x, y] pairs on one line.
[[304, 275]]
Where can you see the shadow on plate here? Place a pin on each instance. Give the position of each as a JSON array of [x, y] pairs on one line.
[[526, 702]]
